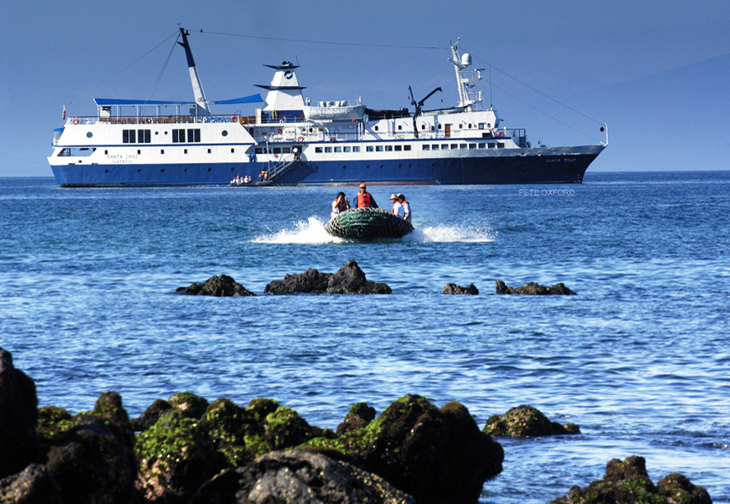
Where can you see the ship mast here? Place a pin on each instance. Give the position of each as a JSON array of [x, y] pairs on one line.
[[201, 103], [466, 96]]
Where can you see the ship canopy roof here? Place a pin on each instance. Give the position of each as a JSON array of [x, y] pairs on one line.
[[114, 102]]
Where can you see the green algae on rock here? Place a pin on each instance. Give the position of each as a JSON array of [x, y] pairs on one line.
[[526, 421]]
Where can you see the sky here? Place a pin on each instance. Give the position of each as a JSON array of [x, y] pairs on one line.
[[656, 71]]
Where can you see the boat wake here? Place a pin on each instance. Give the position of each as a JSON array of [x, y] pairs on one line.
[[312, 232]]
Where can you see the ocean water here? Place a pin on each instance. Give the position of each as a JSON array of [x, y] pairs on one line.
[[639, 359]]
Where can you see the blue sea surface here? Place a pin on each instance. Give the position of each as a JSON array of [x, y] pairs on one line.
[[639, 358]]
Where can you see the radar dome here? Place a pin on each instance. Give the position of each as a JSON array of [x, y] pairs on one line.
[[465, 60]]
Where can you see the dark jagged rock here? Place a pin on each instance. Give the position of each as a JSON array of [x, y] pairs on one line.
[[627, 482], [18, 417], [451, 288], [189, 405], [359, 416], [526, 421], [435, 455], [149, 417], [220, 285], [533, 288], [298, 476], [350, 279], [35, 484], [90, 456]]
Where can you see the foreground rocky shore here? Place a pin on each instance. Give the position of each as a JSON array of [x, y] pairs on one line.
[[189, 450]]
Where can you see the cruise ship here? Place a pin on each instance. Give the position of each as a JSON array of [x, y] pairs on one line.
[[290, 140]]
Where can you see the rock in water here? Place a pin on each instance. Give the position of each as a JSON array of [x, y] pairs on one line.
[[533, 288], [220, 286], [451, 288], [350, 279]]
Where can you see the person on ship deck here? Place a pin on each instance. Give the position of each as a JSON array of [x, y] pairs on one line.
[[406, 207], [364, 199]]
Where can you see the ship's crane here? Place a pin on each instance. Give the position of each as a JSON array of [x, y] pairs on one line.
[[418, 106]]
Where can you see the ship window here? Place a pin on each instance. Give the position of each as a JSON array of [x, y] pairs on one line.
[[435, 147], [472, 146], [356, 148], [376, 128], [444, 146], [106, 152], [318, 150], [162, 151], [482, 146], [424, 147], [129, 136], [346, 149], [369, 148], [286, 150], [185, 151], [423, 126], [277, 150], [208, 151], [500, 145], [328, 149], [139, 152], [462, 146], [224, 133], [398, 147], [338, 149], [144, 136], [491, 145], [233, 150], [89, 134], [454, 146], [389, 148], [194, 135], [379, 148], [259, 150], [481, 125], [400, 127], [407, 147]]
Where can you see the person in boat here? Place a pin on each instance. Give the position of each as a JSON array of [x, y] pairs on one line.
[[339, 205], [397, 207], [364, 199], [406, 207]]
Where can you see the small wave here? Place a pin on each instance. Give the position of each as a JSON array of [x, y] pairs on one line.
[[446, 234], [311, 231]]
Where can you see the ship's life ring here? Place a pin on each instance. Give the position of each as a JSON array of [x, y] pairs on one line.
[[233, 118], [301, 117], [149, 120], [500, 134], [280, 132], [75, 121], [300, 139], [281, 120]]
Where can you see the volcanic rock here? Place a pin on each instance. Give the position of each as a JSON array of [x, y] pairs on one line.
[[34, 484], [533, 288], [298, 476], [359, 416], [627, 482], [221, 286], [526, 421], [451, 288], [435, 455], [350, 279], [18, 417]]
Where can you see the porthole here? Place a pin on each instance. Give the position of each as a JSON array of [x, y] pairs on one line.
[[106, 171], [409, 165], [400, 166], [381, 166], [224, 133], [210, 169], [162, 170], [186, 170], [232, 168], [139, 170], [89, 134], [433, 164], [367, 166], [344, 167]]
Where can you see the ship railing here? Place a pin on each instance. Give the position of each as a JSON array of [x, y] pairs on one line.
[[157, 119]]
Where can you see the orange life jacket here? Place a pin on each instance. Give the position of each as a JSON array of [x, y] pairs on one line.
[[363, 200], [341, 206]]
